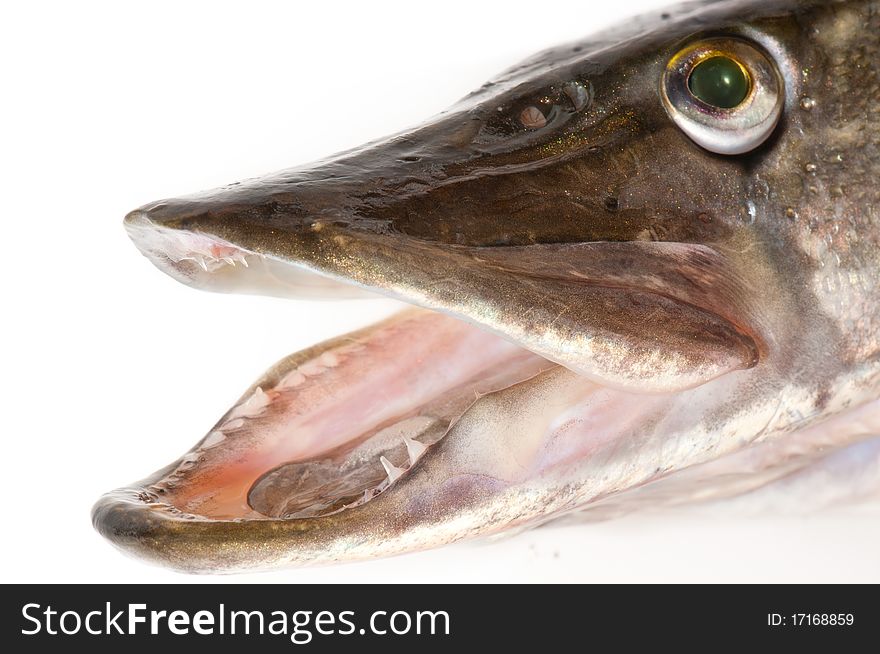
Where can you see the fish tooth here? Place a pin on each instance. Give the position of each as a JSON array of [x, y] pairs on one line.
[[243, 261], [229, 260], [202, 263], [393, 471], [414, 449]]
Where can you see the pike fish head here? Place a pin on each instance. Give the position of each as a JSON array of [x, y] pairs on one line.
[[640, 252]]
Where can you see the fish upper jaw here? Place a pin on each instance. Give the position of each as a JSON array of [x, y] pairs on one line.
[[511, 228], [172, 251], [635, 315], [208, 262]]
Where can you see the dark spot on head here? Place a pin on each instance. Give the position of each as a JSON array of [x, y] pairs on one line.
[[611, 203], [410, 159], [822, 398], [665, 16], [577, 48]]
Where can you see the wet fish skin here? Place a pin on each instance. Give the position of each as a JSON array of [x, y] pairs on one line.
[[619, 171], [771, 260]]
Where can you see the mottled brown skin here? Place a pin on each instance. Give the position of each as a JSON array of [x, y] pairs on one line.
[[480, 222]]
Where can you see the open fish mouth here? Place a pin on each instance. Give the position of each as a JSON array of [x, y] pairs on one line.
[[606, 295], [353, 430], [424, 428]]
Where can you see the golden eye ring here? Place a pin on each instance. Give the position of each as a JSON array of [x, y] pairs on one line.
[[725, 93]]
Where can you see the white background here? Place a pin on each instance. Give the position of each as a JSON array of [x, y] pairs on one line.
[[110, 369]]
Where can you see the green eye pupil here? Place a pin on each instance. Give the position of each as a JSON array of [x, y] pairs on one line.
[[719, 81]]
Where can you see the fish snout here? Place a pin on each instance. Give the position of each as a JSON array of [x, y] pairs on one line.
[[234, 240]]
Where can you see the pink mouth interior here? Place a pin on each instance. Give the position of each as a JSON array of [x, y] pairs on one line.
[[333, 429]]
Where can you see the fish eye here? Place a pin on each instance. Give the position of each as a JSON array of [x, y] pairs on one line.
[[725, 93]]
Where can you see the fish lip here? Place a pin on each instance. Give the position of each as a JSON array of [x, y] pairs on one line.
[[196, 545], [159, 534], [167, 247], [199, 545]]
